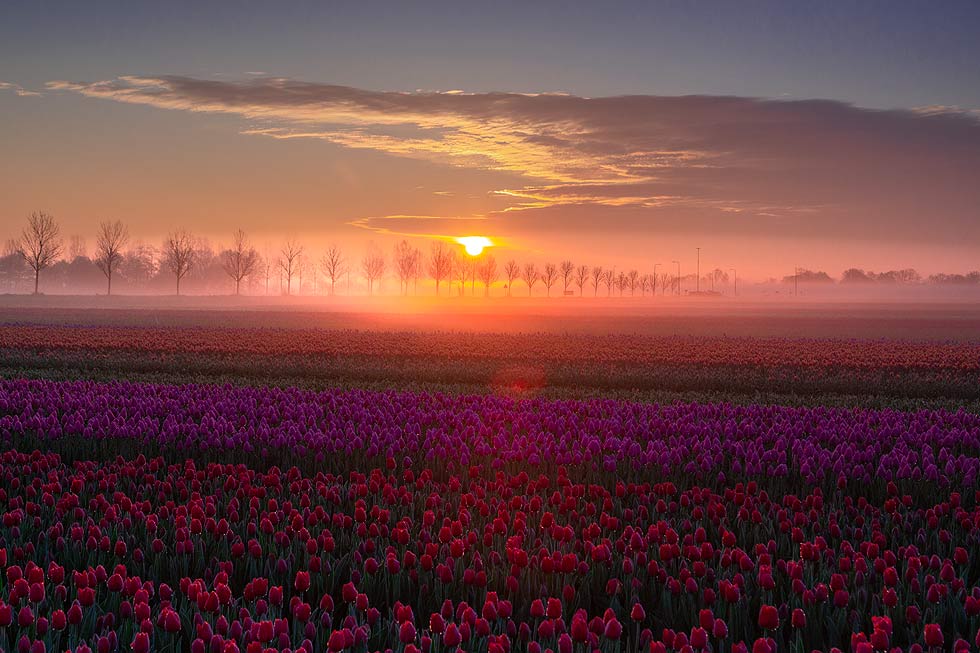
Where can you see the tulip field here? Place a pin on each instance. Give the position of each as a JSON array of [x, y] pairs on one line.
[[163, 490]]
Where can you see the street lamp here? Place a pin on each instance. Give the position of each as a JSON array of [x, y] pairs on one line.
[[698, 278]]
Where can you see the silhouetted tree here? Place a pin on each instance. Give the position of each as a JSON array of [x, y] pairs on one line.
[[854, 275], [461, 271], [40, 243], [610, 281], [77, 247], [598, 275], [289, 259], [488, 273], [108, 249], [511, 271], [530, 276], [373, 266], [567, 269], [549, 276], [440, 263], [241, 260], [404, 265], [332, 264], [178, 254], [632, 281], [581, 277]]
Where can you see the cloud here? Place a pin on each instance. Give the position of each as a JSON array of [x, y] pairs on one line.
[[738, 164], [18, 89]]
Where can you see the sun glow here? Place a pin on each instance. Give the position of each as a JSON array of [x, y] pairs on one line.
[[474, 245]]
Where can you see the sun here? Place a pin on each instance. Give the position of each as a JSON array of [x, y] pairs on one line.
[[474, 245]]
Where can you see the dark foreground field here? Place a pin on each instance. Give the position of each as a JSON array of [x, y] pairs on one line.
[[685, 477]]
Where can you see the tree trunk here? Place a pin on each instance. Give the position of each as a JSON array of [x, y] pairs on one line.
[[37, 274], [238, 284], [108, 290]]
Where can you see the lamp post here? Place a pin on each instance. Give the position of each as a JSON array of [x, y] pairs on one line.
[[735, 279], [697, 279], [678, 277]]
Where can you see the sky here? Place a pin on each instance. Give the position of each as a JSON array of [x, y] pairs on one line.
[[769, 134]]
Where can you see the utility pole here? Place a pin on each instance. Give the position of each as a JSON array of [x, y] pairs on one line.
[[678, 289], [735, 279], [698, 278]]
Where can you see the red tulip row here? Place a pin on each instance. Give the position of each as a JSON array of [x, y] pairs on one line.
[[540, 348], [146, 555]]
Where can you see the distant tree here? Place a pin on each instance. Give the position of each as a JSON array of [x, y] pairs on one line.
[[942, 278], [440, 263], [332, 264], [530, 276], [855, 275], [805, 276], [373, 266], [417, 270], [567, 269], [581, 277], [109, 244], [289, 259], [488, 273], [632, 281], [241, 260], [609, 279], [666, 278], [645, 284], [598, 275], [511, 271], [621, 282], [76, 248], [40, 243], [461, 271], [178, 254], [404, 264], [549, 276]]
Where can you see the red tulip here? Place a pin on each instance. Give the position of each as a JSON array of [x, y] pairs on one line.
[[768, 617], [302, 581], [933, 636]]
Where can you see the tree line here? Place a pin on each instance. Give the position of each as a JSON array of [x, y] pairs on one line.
[[295, 269]]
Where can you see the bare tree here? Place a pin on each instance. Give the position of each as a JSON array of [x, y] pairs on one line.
[[581, 277], [241, 260], [461, 272], [76, 248], [289, 260], [598, 275], [40, 244], [567, 269], [488, 273], [440, 263], [632, 280], [404, 265], [550, 276], [609, 280], [621, 282], [109, 244], [530, 276], [333, 266], [511, 271], [373, 266], [178, 254]]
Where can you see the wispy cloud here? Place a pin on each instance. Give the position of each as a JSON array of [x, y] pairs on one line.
[[803, 165], [18, 89]]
